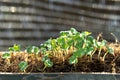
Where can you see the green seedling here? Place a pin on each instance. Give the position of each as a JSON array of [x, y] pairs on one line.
[[23, 65], [32, 49], [6, 55], [100, 46], [15, 48], [110, 51], [47, 62]]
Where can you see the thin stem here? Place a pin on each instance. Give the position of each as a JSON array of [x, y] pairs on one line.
[[99, 53], [116, 39], [105, 55]]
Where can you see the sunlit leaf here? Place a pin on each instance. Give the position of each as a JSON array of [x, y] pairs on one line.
[[15, 48], [64, 33], [48, 63], [73, 31], [86, 33], [73, 60], [103, 43], [110, 50], [32, 49], [6, 55]]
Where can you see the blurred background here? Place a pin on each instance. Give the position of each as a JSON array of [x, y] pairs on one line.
[[31, 22]]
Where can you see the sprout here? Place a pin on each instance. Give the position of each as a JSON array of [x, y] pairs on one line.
[[23, 65], [6, 55], [32, 49], [47, 62], [14, 48]]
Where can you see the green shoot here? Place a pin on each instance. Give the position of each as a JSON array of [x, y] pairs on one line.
[[32, 49], [14, 48], [23, 65], [6, 55]]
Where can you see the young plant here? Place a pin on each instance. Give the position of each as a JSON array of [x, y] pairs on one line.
[[47, 62], [6, 55], [15, 48], [32, 49], [110, 51], [100, 46], [23, 65], [43, 48]]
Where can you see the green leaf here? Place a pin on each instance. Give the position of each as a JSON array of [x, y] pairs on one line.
[[79, 53], [70, 42], [89, 50], [90, 38], [6, 55], [48, 63], [64, 33], [32, 49], [15, 48], [48, 44], [103, 43], [73, 31], [86, 33], [79, 44], [73, 60], [23, 65], [36, 50], [44, 58], [54, 44], [110, 50]]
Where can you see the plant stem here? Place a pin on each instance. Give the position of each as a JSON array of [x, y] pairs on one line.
[[105, 55], [99, 53]]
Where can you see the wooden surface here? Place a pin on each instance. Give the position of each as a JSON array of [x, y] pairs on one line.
[[31, 22]]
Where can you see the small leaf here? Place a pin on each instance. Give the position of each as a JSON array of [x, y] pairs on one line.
[[90, 38], [32, 49], [44, 58], [11, 49], [35, 50], [89, 50], [110, 50], [73, 60], [15, 48], [70, 42], [48, 63], [103, 43], [86, 33], [6, 55], [29, 50], [79, 53], [73, 31], [64, 33], [79, 45], [23, 65]]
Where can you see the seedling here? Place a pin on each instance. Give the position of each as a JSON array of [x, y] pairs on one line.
[[47, 62], [6, 55], [15, 48], [32, 49], [70, 43], [23, 65], [110, 51]]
